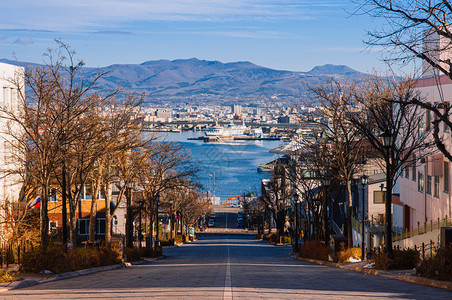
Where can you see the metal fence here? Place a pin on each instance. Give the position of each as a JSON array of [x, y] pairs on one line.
[[11, 253], [426, 227]]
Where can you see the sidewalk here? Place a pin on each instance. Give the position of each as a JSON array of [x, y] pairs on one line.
[[403, 275], [30, 279]]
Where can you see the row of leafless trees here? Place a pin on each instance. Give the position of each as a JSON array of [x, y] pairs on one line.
[[67, 135], [352, 121]]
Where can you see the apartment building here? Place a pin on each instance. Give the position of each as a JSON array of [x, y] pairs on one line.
[[425, 186]]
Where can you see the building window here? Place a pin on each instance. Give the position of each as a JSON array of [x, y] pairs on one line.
[[407, 172], [379, 197], [428, 119], [446, 177], [53, 227], [429, 185], [83, 226], [420, 128], [420, 182], [53, 195], [436, 188], [86, 192], [413, 171], [100, 226]]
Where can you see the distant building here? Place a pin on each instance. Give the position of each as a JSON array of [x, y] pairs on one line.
[[285, 120], [163, 114], [236, 109]]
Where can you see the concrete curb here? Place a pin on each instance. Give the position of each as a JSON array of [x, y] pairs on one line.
[[408, 278], [30, 282]]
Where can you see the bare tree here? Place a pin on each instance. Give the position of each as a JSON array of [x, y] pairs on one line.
[[168, 167], [276, 194], [342, 141], [416, 30], [382, 107]]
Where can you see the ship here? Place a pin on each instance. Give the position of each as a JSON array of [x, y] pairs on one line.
[[229, 132]]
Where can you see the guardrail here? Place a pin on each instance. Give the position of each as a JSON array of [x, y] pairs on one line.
[[426, 227]]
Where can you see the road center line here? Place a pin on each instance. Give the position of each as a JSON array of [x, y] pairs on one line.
[[227, 224], [227, 294]]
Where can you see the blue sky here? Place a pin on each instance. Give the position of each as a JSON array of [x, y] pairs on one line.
[[281, 34]]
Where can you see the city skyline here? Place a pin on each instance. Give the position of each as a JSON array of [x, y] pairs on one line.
[[295, 35]]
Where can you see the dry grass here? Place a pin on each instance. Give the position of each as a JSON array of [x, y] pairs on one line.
[[344, 255]]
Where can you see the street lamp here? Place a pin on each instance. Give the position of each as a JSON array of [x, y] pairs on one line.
[[157, 240], [387, 140], [129, 221], [364, 179], [296, 221], [171, 201], [326, 184], [140, 233]]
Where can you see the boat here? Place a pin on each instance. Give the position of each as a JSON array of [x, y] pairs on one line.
[[227, 132], [265, 168]]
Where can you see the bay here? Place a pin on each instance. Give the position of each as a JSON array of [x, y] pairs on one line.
[[232, 163]]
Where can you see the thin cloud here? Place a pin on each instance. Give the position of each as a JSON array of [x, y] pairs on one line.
[[114, 32], [25, 30], [23, 41], [83, 14], [259, 34]]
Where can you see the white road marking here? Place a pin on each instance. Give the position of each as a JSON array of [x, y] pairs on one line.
[[226, 222], [228, 279]]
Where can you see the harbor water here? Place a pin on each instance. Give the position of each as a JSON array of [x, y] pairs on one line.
[[233, 164]]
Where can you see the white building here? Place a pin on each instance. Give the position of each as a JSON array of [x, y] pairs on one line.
[[11, 78]]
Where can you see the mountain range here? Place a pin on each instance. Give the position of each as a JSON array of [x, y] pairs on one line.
[[200, 81]]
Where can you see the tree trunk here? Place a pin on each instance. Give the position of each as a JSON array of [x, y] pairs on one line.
[[349, 214], [108, 215], [388, 215], [44, 217], [93, 211], [64, 205], [92, 217], [72, 214], [326, 236]]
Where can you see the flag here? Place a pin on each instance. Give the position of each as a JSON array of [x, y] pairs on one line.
[[35, 203]]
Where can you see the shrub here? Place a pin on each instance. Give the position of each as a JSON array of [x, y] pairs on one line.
[[273, 238], [437, 267], [344, 255], [166, 243], [406, 259], [178, 239], [7, 276], [57, 260], [382, 262], [148, 252], [403, 259], [314, 250], [286, 239], [268, 236], [132, 254]]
